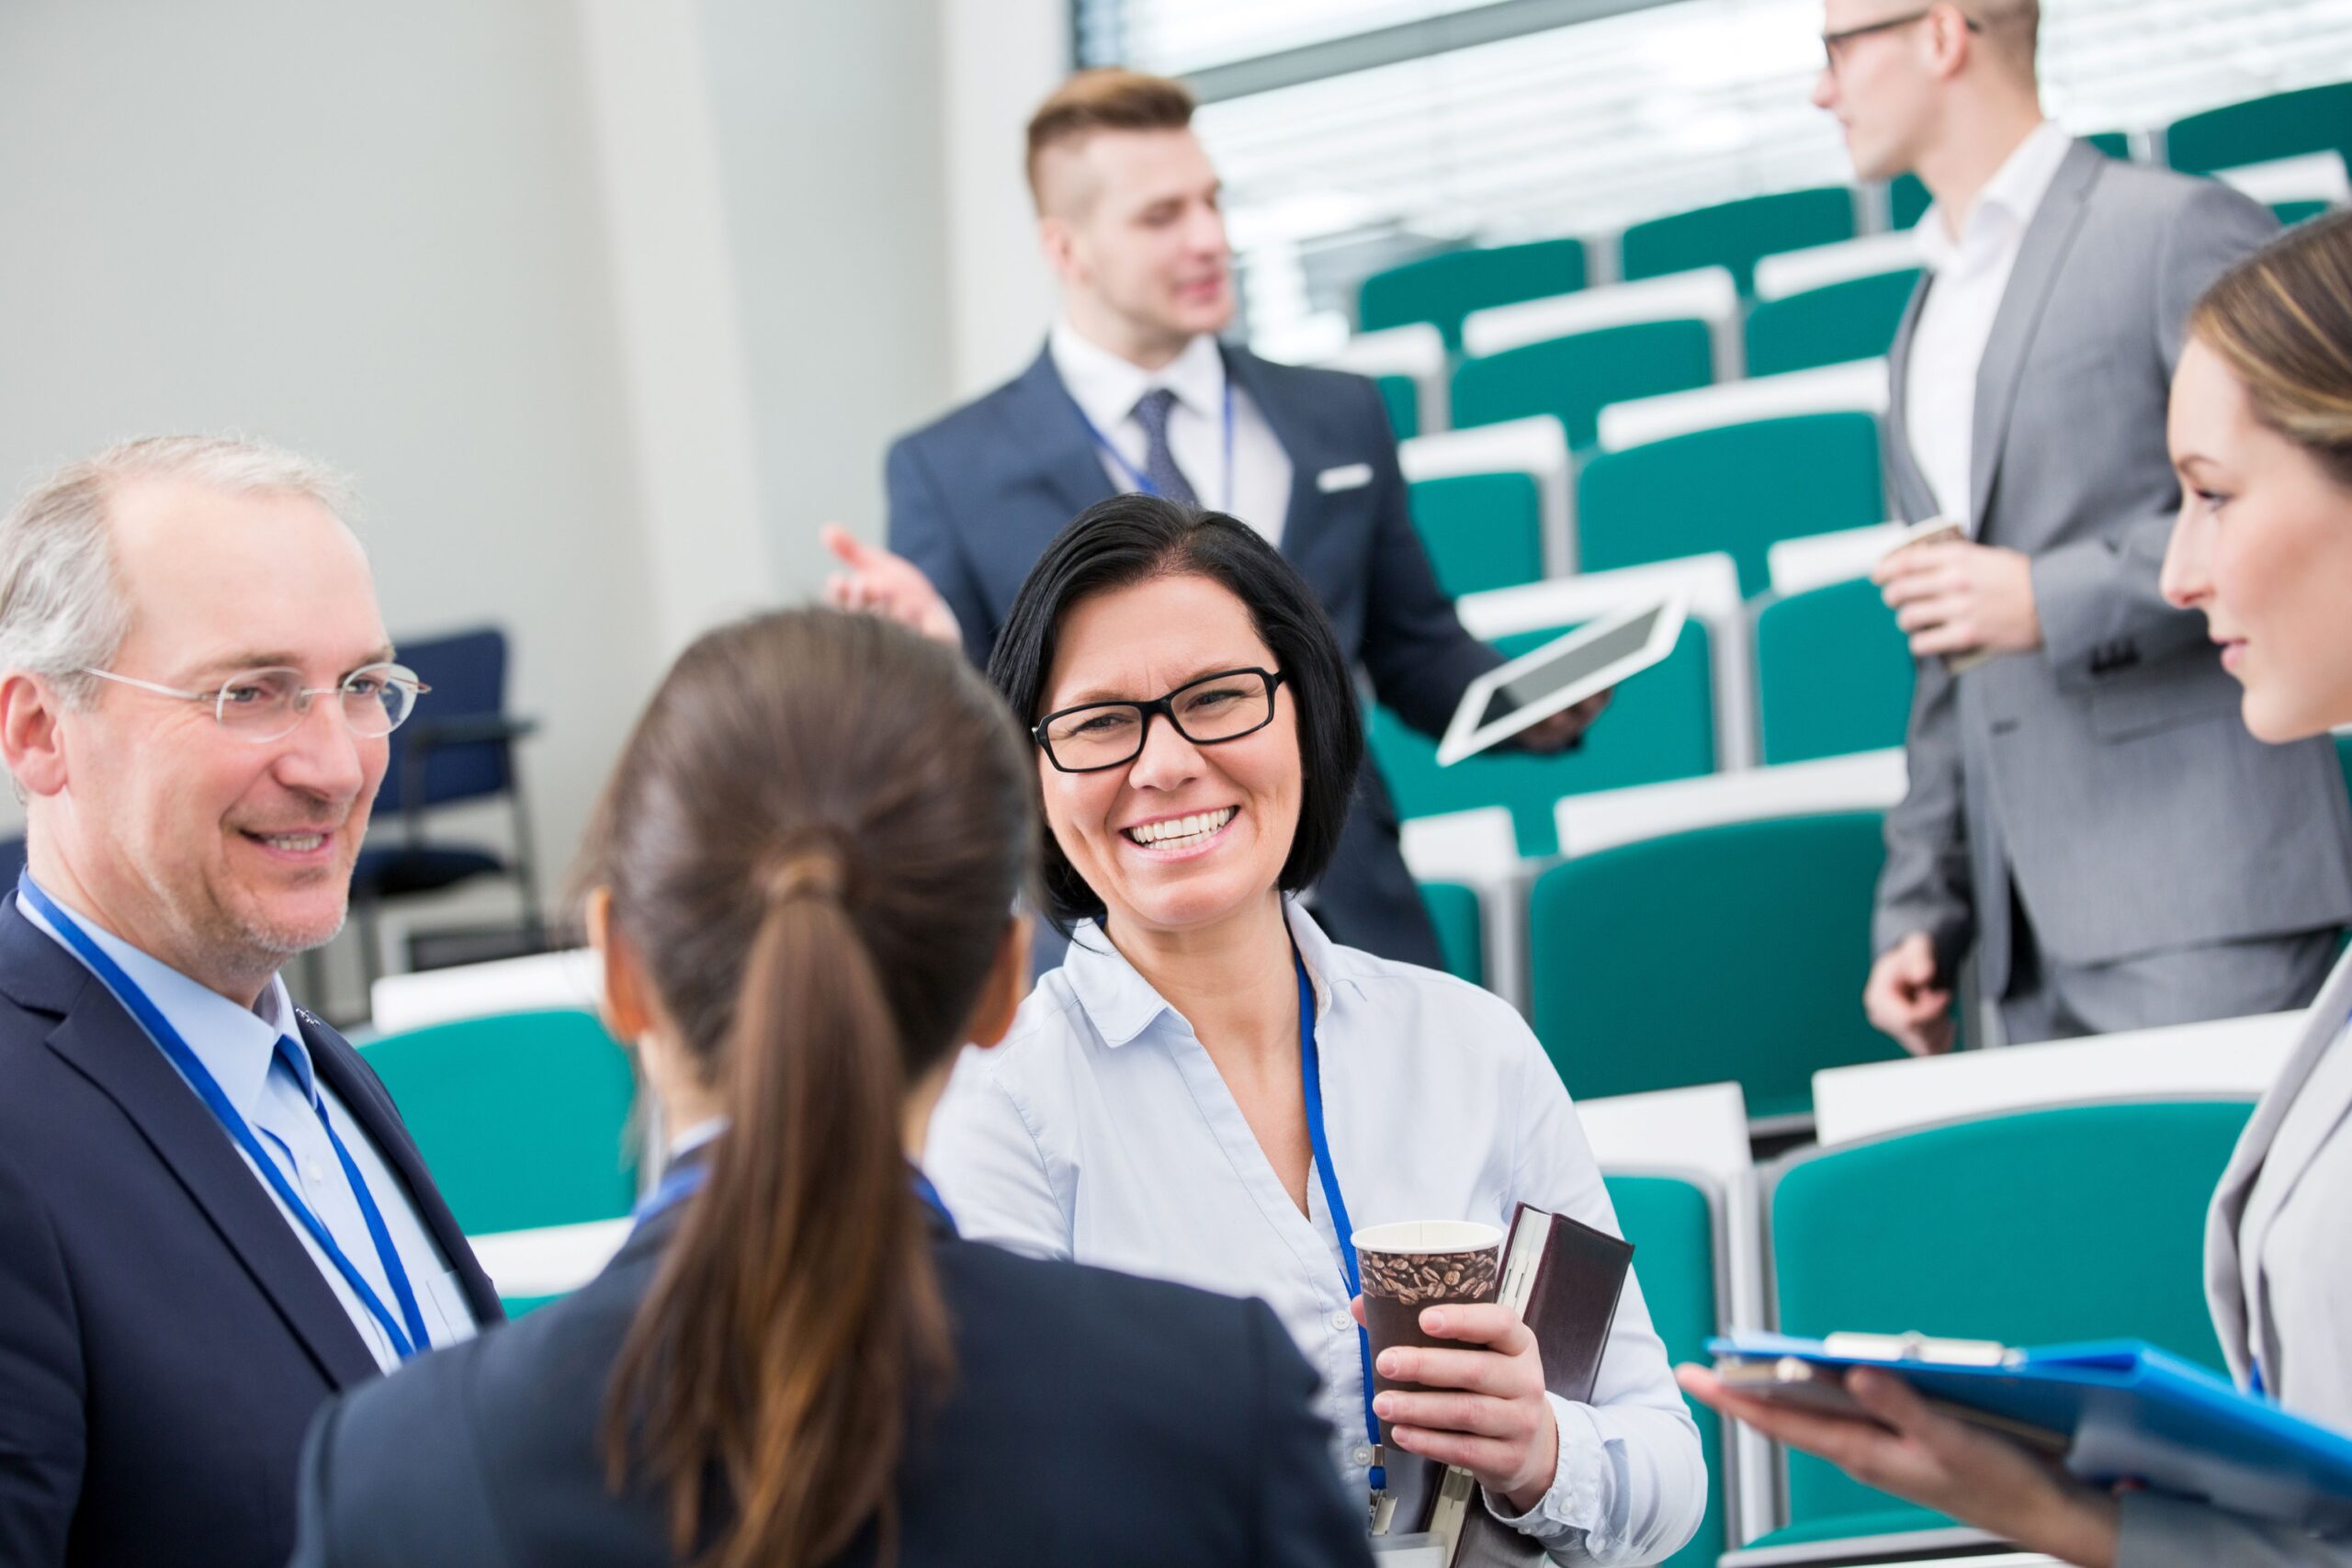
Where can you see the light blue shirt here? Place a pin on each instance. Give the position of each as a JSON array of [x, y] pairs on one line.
[[1101, 1131], [239, 1046]]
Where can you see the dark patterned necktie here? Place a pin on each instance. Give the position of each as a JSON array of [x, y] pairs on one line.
[[1159, 462]]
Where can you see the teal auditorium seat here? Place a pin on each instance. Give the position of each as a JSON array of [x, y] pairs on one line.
[[1739, 488], [1403, 400], [521, 1116], [1906, 198], [1829, 325], [1659, 726], [2085, 1223], [2290, 213], [1453, 909], [2344, 759], [1575, 377], [1734, 233], [1441, 290], [1833, 674], [1481, 531], [1728, 954], [2315, 119], [1672, 1228]]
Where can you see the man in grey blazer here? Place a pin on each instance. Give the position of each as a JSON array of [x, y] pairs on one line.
[[2086, 806]]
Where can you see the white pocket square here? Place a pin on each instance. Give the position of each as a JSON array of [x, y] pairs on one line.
[[1346, 476]]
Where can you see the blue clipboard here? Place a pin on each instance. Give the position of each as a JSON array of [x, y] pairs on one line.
[[2117, 1410]]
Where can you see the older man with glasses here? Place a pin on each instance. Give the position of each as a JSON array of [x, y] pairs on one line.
[[2086, 810], [210, 1215]]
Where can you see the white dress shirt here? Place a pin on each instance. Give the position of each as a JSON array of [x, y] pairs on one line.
[[1107, 388], [239, 1047], [1101, 1131], [1971, 273]]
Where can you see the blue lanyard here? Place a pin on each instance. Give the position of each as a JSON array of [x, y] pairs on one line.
[[684, 1179], [1137, 478], [1310, 1075], [176, 1050]]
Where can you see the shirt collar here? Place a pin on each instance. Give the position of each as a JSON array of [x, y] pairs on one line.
[[1107, 388], [1122, 1004], [2004, 208], [235, 1045]]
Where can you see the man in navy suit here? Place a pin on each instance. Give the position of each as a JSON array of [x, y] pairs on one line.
[[210, 1216], [1134, 392]]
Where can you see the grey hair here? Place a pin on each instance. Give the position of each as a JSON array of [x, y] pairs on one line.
[[61, 610]]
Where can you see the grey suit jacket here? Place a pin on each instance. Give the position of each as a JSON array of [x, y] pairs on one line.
[[2107, 774], [2162, 1533]]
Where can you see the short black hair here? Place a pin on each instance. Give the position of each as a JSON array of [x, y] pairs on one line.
[[1132, 539]]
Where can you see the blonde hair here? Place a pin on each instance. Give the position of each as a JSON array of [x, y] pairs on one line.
[[1107, 99], [2281, 320]]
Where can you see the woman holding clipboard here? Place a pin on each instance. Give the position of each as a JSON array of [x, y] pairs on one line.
[[2261, 434], [1212, 1090]]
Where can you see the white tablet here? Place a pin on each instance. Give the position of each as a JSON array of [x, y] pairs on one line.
[[1562, 674]]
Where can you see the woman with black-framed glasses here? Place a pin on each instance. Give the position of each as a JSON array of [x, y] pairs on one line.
[[1211, 1091]]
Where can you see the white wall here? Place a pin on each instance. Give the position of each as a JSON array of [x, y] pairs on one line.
[[1001, 59], [829, 151], [606, 303], [370, 233]]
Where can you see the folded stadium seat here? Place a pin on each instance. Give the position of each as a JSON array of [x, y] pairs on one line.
[[1830, 326], [522, 1116], [1737, 488], [2035, 1228], [1673, 1224], [1453, 909], [1441, 290], [1733, 952], [1833, 674], [2343, 758], [1535, 449], [1574, 377], [2290, 213], [1661, 726], [1481, 531], [1403, 398], [1409, 363], [2315, 120], [1734, 233], [1908, 197]]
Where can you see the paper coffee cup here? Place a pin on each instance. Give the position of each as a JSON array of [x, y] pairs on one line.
[[1416, 1264]]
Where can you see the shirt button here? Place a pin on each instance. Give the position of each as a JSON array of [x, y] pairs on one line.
[[1341, 1322], [311, 1169], [1361, 1455]]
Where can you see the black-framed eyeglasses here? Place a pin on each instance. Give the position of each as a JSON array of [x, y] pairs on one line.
[[1206, 712], [1831, 42]]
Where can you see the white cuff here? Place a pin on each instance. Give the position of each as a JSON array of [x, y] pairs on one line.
[[1584, 1508]]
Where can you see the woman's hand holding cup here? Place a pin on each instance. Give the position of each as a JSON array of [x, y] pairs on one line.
[[1485, 1408], [1456, 1377]]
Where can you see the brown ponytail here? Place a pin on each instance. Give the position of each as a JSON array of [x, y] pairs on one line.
[[812, 803]]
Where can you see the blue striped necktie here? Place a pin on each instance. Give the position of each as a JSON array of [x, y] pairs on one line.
[[1158, 463]]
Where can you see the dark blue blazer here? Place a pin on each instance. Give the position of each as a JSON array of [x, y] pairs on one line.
[[1095, 1419], [165, 1338], [975, 497]]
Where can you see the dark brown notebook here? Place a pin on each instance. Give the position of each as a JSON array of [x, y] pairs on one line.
[[1566, 1279]]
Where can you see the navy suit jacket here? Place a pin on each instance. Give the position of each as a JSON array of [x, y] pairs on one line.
[[1094, 1419], [165, 1337], [976, 498]]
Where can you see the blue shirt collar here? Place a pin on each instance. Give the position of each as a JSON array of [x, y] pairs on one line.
[[1122, 1004], [235, 1045]]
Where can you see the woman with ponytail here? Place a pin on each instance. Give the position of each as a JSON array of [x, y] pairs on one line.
[[803, 874]]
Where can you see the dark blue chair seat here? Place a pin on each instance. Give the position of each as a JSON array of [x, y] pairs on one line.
[[399, 869]]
